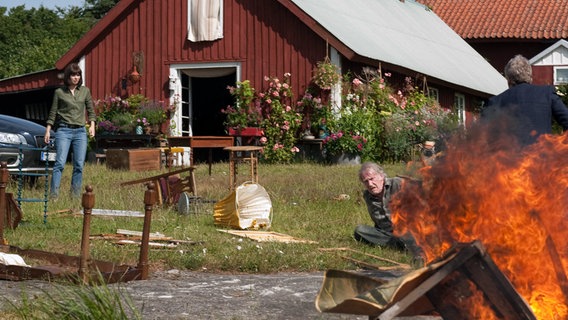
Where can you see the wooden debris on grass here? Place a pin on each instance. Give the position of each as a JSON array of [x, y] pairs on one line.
[[129, 237], [397, 265], [266, 236], [101, 212]]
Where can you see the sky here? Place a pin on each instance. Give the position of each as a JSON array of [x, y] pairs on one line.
[[50, 4]]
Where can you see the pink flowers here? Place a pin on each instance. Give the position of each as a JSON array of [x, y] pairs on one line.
[[339, 142], [277, 146]]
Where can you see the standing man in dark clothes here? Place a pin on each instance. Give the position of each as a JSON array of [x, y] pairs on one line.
[[529, 108]]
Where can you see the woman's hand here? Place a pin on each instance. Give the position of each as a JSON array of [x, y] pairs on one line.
[[92, 129], [47, 135]]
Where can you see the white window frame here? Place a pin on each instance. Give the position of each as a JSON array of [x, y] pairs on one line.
[[459, 104], [561, 78], [434, 93]]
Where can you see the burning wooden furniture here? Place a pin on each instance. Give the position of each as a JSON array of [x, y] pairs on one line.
[[465, 281], [61, 266]]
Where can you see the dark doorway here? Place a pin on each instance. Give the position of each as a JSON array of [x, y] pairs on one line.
[[209, 96]]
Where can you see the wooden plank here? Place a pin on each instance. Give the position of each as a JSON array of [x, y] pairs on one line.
[[151, 244], [154, 235], [372, 266], [403, 265], [117, 213], [266, 236]]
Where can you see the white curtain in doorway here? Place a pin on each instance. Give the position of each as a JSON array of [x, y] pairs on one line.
[[205, 20]]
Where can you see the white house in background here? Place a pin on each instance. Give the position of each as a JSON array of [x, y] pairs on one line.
[[551, 65]]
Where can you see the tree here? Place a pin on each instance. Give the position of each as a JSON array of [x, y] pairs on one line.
[[33, 40]]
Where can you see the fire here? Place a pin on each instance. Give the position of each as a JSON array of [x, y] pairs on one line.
[[514, 200]]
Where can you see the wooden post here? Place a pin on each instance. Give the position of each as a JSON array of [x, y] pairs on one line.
[[88, 203], [4, 175], [149, 202]]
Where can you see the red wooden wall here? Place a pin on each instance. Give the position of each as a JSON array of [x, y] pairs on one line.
[[262, 35]]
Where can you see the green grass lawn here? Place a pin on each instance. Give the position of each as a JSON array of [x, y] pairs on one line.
[[303, 207]]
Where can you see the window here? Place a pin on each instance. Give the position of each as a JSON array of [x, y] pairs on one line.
[[205, 20], [561, 75], [459, 104], [434, 94]]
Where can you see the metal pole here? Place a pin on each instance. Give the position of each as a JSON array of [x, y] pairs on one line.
[[3, 182]]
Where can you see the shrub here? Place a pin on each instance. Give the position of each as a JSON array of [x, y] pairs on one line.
[[281, 121]]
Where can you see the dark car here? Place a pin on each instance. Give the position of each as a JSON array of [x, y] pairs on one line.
[[22, 146]]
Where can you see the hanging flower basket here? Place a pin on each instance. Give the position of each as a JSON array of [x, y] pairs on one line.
[[246, 132]]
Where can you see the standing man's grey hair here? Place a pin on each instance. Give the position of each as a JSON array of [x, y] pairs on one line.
[[372, 166], [518, 70]]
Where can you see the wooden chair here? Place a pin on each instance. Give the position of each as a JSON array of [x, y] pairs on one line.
[[170, 185]]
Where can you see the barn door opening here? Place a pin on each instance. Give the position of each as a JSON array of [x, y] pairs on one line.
[[207, 94]]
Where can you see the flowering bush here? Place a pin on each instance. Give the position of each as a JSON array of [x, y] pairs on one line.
[[316, 113], [413, 119], [281, 121], [348, 143], [118, 115], [246, 112], [389, 122], [155, 112], [107, 126], [107, 108], [142, 122]]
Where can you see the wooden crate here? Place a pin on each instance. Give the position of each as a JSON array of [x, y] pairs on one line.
[[133, 159]]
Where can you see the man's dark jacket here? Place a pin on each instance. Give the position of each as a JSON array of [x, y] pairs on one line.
[[529, 109]]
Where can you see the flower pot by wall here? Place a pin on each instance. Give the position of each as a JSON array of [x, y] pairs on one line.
[[346, 159]]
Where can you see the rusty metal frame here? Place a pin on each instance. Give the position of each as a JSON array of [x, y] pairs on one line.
[[88, 270]]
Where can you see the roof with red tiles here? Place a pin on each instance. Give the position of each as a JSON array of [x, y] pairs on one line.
[[498, 19]]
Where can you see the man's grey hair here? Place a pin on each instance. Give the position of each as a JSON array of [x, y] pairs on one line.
[[518, 70], [371, 166]]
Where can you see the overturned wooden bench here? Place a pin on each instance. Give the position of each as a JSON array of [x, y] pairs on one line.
[[170, 185]]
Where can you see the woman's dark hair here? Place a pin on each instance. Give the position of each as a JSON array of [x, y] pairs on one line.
[[71, 69]]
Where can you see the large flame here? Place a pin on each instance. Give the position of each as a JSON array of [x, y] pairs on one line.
[[514, 200]]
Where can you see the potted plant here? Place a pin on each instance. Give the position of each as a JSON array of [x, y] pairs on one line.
[[244, 117], [344, 147], [155, 114], [124, 122]]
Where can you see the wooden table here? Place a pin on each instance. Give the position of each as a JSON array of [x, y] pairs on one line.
[[201, 142], [239, 154]]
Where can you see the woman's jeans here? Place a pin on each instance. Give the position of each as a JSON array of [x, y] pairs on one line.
[[66, 138]]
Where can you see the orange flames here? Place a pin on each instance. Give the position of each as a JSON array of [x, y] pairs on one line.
[[515, 201]]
